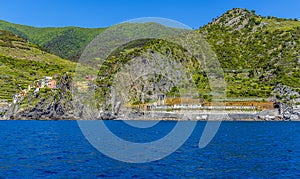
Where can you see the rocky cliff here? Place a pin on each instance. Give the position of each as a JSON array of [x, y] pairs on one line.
[[46, 104]]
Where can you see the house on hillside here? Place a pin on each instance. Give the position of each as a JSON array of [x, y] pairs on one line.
[[52, 84], [89, 77], [46, 82]]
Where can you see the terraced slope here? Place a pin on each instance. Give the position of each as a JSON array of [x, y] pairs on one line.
[[22, 62], [66, 42]]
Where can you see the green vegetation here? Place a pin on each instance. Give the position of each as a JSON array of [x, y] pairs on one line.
[[255, 52], [21, 63], [66, 42]]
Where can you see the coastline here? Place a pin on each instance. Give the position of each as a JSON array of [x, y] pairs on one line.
[[175, 116], [40, 113], [206, 116]]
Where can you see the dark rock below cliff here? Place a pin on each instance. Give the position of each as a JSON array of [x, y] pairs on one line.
[[48, 103]]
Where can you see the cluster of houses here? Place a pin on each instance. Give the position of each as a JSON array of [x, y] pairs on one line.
[[45, 82]]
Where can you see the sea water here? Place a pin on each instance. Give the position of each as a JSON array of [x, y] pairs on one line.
[[58, 149]]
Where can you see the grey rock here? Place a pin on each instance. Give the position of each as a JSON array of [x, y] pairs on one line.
[[107, 116], [56, 105], [294, 117]]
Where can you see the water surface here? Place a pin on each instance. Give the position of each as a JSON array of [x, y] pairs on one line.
[[57, 149]]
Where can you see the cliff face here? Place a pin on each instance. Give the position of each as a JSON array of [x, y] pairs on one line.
[[46, 104]]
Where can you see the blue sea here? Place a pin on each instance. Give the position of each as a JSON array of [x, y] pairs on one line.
[[58, 149]]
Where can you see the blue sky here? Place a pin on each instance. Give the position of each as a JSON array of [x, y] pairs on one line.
[[103, 13]]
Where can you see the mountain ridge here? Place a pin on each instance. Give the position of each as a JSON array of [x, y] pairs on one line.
[[53, 39]]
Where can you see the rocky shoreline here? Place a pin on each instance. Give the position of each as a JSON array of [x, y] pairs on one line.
[[56, 107], [207, 116], [58, 113]]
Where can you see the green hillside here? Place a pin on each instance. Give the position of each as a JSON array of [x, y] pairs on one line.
[[256, 52], [66, 42], [21, 63]]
